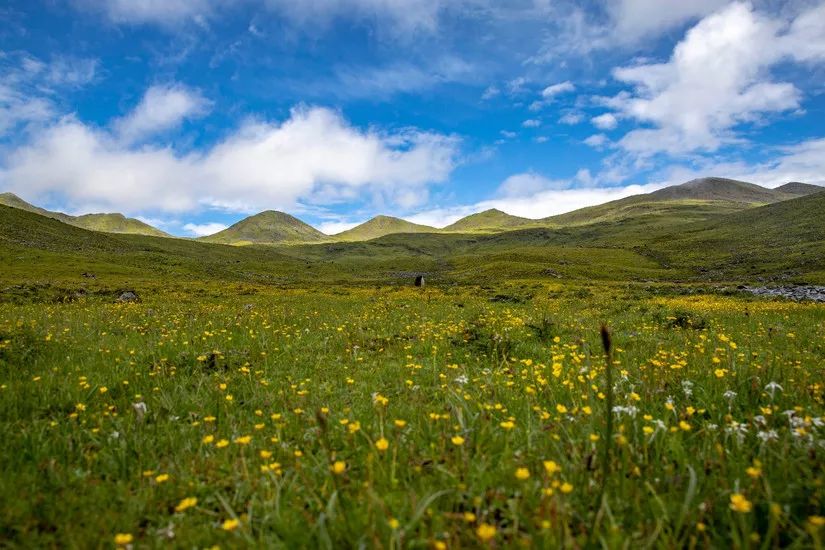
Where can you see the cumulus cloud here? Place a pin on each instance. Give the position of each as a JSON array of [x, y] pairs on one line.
[[335, 227], [315, 156], [541, 204], [161, 108], [557, 89], [633, 20], [607, 121], [528, 183], [204, 229], [571, 118], [596, 140], [716, 79], [531, 123], [804, 161]]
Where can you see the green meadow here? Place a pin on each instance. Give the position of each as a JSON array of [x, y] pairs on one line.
[[238, 415]]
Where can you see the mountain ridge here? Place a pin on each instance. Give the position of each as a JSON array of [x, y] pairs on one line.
[[267, 227], [101, 222]]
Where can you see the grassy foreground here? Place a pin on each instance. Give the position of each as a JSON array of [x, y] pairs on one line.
[[389, 418]]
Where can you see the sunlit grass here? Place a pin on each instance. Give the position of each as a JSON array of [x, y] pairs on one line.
[[400, 418]]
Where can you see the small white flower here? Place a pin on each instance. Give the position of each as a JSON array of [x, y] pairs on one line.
[[772, 388]]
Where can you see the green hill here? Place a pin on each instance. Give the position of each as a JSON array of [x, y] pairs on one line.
[[116, 223], [488, 221], [717, 189], [696, 200], [108, 223], [380, 226], [269, 227], [799, 189]]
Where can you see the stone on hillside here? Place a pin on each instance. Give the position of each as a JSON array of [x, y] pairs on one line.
[[128, 296]]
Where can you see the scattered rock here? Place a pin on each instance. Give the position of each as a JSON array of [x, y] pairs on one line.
[[796, 293], [88, 275], [128, 296]]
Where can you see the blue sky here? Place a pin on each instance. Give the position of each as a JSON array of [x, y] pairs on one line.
[[192, 114]]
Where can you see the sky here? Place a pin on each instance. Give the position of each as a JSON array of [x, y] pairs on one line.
[[193, 114]]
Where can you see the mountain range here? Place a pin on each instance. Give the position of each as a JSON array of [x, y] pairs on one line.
[[707, 232], [695, 200], [107, 223]]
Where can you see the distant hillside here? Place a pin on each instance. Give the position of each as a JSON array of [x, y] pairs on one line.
[[717, 189], [488, 221], [269, 227], [799, 189], [380, 226], [786, 237], [108, 223], [696, 200]]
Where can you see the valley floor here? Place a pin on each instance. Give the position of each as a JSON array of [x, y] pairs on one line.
[[334, 417]]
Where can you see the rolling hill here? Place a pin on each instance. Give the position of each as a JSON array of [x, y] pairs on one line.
[[380, 226], [489, 221], [770, 243], [799, 189], [695, 200], [269, 227], [107, 223]]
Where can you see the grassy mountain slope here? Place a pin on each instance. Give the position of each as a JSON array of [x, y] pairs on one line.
[[799, 189], [380, 226], [488, 221], [717, 189], [109, 223], [116, 223], [696, 200], [269, 227], [785, 239]]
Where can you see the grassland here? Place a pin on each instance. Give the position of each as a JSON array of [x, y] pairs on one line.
[[306, 396], [242, 415]]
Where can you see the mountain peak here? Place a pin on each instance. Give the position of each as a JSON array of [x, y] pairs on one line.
[[799, 189], [267, 227], [380, 226], [489, 220]]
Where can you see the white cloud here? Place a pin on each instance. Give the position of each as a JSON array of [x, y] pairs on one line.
[[335, 227], [528, 183], [531, 123], [516, 86], [804, 161], [542, 204], [30, 88], [386, 81], [163, 12], [571, 119], [557, 89], [161, 108], [507, 134], [717, 78], [596, 140], [607, 121], [636, 19], [314, 156], [204, 229], [490, 92]]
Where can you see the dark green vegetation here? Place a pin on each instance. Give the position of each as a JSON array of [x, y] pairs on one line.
[[109, 223]]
